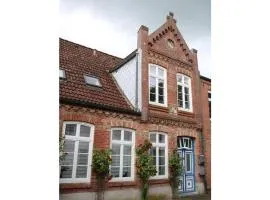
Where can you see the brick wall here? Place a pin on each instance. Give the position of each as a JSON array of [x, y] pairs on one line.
[[104, 121]]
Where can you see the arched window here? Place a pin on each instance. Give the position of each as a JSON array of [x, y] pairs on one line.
[[78, 147]]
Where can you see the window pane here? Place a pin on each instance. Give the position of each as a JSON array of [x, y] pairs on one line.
[[127, 161], [161, 151], [180, 96], [116, 135], [161, 170], [126, 171], [115, 171], [154, 160], [116, 149], [161, 72], [83, 147], [161, 161], [187, 105], [153, 151], [153, 70], [179, 78], [81, 172], [160, 99], [188, 162], [84, 131], [70, 129], [161, 138], [128, 136], [152, 97], [115, 160], [69, 146], [127, 150], [186, 80], [153, 137], [68, 159], [82, 159], [66, 172], [152, 89]]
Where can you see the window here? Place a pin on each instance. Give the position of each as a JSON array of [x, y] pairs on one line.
[[157, 85], [184, 95], [122, 145], [184, 143], [62, 74], [90, 80], [159, 151], [209, 103], [78, 152]]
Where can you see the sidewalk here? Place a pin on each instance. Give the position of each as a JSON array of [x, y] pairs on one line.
[[197, 197]]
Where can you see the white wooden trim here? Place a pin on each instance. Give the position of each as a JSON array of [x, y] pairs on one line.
[[90, 152], [183, 93], [156, 76], [122, 143], [157, 145]]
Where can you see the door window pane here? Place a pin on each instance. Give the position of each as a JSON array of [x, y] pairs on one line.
[[161, 138], [83, 147], [115, 160], [69, 146], [127, 150], [68, 159], [161, 151], [127, 161], [161, 170], [188, 162], [82, 159]]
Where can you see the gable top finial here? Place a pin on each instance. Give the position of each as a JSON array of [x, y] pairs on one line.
[[170, 17], [171, 14]]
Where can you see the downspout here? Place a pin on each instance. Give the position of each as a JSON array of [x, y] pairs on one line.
[[136, 83]]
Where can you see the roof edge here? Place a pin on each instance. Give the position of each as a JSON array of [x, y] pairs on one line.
[[125, 60], [98, 106], [205, 78]]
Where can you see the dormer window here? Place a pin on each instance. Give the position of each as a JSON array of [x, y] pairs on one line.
[[62, 74], [91, 80], [157, 85], [184, 99]]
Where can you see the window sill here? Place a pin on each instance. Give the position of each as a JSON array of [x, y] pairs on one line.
[[185, 110], [158, 104]]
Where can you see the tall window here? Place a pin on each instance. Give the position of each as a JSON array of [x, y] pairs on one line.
[[78, 152], [122, 145], [184, 99], [157, 85], [209, 103], [159, 151]]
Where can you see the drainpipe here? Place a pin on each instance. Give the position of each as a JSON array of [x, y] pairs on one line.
[[136, 84]]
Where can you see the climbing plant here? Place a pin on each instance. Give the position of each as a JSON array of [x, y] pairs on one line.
[[101, 167], [145, 167], [176, 170]]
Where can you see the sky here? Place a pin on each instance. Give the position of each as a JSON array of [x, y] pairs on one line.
[[111, 25]]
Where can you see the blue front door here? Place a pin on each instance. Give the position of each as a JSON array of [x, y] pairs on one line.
[[186, 152]]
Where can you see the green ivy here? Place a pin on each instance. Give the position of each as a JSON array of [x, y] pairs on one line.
[[145, 166]]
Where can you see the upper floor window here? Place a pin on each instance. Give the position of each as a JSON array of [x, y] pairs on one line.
[[157, 85], [184, 99], [159, 151], [62, 74], [209, 103], [78, 145], [91, 80], [122, 145]]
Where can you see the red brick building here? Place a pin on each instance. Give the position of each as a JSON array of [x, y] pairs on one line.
[[154, 93]]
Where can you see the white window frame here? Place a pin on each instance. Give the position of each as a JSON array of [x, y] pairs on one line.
[[90, 152], [93, 77], [122, 142], [156, 76], [183, 92], [157, 145]]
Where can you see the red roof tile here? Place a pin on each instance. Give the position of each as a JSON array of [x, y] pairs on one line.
[[78, 60]]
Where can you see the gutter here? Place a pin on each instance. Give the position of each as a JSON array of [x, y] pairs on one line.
[[98, 106]]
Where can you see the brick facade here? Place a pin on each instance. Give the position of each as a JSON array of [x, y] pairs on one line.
[[170, 119]]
